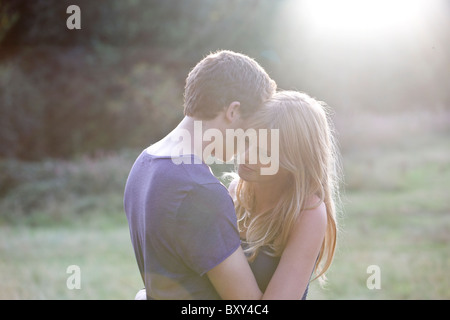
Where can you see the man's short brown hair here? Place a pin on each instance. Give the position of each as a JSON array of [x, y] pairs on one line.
[[222, 78]]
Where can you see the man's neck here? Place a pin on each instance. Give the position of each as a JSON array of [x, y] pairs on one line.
[[185, 139]]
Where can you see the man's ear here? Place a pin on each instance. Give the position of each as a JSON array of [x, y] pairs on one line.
[[233, 111]]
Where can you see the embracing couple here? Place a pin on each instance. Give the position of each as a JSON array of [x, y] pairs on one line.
[[266, 236]]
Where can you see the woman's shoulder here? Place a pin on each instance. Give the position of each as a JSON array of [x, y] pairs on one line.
[[315, 214]]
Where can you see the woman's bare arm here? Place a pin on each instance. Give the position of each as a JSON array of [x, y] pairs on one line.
[[297, 262]]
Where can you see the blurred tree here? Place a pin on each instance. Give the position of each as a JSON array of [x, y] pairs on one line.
[[8, 17]]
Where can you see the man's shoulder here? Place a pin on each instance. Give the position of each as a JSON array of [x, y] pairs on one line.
[[185, 172], [182, 170], [205, 184]]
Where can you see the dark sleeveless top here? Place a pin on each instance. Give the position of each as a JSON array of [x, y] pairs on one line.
[[263, 267]]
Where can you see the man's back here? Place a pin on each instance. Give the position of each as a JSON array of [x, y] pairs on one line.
[[182, 224]]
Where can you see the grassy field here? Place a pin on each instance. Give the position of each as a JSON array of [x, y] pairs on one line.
[[35, 261], [396, 215], [396, 210], [77, 220]]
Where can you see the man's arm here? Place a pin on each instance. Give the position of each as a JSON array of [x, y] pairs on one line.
[[233, 279]]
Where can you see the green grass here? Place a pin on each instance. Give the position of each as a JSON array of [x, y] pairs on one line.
[[34, 262], [60, 213], [396, 215]]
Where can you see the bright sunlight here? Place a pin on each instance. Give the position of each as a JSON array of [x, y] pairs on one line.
[[348, 18]]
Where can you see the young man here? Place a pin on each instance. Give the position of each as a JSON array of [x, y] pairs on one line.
[[182, 221]]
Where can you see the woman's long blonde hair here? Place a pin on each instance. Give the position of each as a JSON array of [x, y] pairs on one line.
[[308, 151]]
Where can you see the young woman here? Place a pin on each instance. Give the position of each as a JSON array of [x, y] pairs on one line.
[[287, 221]]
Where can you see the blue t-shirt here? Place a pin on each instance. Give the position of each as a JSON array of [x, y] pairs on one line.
[[182, 224]]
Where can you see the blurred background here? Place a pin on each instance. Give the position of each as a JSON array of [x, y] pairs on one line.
[[78, 106]]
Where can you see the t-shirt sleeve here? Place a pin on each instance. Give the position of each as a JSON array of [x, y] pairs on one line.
[[207, 230]]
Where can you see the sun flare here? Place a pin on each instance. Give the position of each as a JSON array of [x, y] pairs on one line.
[[355, 17]]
